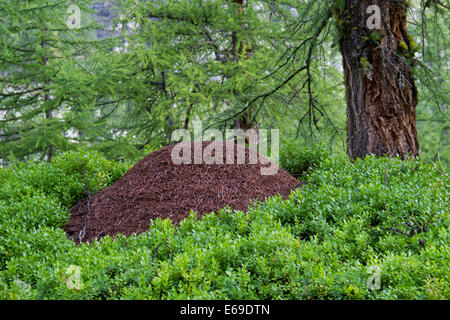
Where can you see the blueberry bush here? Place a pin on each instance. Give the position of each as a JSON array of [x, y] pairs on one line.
[[320, 243]]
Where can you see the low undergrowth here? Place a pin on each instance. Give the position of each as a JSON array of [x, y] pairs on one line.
[[375, 229]]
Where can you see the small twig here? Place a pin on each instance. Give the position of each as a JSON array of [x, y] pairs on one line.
[[82, 233], [155, 251], [441, 169], [399, 231], [415, 169], [419, 227]]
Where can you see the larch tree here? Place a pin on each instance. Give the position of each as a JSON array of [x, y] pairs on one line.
[[233, 63], [382, 95], [379, 60], [200, 58], [43, 93]]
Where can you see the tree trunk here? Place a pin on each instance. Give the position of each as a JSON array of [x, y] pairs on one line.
[[48, 113], [380, 88], [243, 48]]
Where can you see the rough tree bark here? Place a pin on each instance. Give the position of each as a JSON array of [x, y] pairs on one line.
[[380, 89]]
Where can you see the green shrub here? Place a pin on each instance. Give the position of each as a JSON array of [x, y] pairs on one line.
[[297, 159], [317, 244]]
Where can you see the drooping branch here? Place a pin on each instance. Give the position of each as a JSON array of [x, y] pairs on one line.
[[313, 42]]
